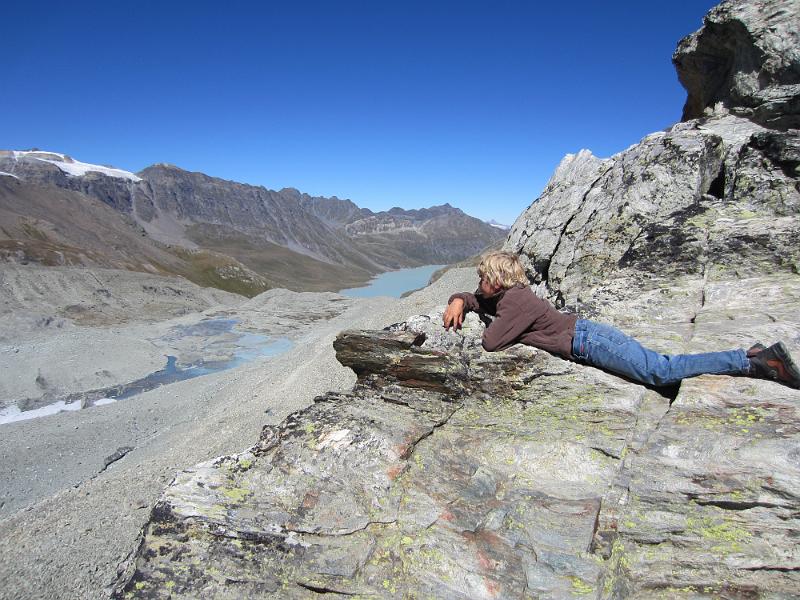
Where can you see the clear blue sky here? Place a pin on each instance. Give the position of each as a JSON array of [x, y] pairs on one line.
[[386, 103]]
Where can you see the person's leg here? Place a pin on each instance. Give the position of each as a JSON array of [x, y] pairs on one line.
[[607, 347]]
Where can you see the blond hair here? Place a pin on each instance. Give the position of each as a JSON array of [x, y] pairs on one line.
[[503, 269]]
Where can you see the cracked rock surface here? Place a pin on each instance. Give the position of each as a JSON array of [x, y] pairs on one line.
[[450, 472], [407, 485]]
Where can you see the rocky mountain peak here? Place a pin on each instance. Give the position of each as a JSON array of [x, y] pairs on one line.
[[288, 238], [682, 200]]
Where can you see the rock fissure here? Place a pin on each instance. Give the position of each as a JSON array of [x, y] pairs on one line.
[[606, 452], [733, 505], [119, 454], [343, 532], [773, 569], [321, 590], [433, 430], [575, 212]]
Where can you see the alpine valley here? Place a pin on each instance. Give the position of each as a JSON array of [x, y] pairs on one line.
[[57, 211], [376, 455]]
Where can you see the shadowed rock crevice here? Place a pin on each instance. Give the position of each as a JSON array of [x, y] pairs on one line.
[[717, 187], [720, 52]]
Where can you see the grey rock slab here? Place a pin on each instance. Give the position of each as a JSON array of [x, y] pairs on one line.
[[533, 477], [707, 506], [603, 214], [711, 503]]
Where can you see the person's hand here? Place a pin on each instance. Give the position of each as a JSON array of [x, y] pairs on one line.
[[454, 314]]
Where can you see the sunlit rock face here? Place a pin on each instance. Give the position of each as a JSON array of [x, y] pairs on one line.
[[717, 191], [446, 472], [450, 472], [700, 198]]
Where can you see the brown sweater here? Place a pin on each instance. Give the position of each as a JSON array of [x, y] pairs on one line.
[[521, 317]]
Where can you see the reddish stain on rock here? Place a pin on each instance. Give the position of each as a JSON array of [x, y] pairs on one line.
[[394, 471], [310, 500]]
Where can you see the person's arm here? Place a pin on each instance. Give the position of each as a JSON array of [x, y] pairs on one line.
[[507, 327], [457, 306]]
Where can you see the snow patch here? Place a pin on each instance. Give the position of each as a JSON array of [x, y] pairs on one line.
[[73, 167], [3, 173], [12, 413], [494, 223]]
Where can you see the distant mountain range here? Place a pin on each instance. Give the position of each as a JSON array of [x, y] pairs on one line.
[[55, 210]]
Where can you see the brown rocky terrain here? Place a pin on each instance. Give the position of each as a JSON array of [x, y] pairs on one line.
[[236, 237]]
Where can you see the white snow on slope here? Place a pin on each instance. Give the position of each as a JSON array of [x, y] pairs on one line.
[[3, 173], [12, 413], [494, 223], [74, 167]]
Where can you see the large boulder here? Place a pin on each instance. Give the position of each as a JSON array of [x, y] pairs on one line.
[[745, 59], [699, 198], [716, 192]]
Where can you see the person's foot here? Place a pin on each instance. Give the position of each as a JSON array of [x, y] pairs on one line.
[[774, 363], [755, 349]]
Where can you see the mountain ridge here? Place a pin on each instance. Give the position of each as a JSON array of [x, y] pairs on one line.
[[286, 238]]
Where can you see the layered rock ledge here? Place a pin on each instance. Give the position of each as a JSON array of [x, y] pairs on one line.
[[449, 472]]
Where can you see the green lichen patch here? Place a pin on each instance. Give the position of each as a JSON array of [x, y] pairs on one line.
[[720, 532], [236, 494], [580, 587]]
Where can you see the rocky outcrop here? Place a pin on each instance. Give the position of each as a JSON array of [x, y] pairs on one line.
[[450, 472], [714, 193], [746, 60], [702, 196], [421, 482]]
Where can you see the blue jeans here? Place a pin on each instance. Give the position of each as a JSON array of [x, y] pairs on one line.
[[607, 347]]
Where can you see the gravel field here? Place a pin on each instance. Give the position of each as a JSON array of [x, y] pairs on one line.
[[78, 486]]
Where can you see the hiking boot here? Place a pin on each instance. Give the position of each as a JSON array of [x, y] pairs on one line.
[[755, 349], [775, 363]]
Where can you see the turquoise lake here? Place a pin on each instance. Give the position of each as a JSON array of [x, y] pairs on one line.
[[394, 283]]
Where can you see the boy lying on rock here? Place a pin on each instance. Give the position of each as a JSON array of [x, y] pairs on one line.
[[521, 317]]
